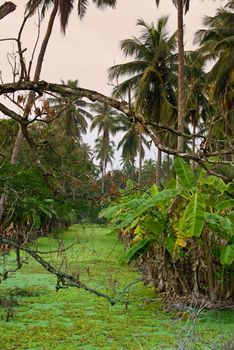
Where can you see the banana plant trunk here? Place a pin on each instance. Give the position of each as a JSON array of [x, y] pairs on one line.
[[180, 140]]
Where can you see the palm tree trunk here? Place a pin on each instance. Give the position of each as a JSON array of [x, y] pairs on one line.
[[228, 129], [194, 145], [158, 168], [103, 178], [140, 158], [180, 141]]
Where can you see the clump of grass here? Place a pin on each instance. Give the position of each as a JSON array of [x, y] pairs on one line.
[[8, 305], [26, 292]]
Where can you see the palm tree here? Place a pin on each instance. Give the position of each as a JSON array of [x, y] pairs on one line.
[[197, 106], [148, 172], [217, 43], [65, 7], [182, 5], [151, 74], [106, 119], [132, 143], [72, 114]]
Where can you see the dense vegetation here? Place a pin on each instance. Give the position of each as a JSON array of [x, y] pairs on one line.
[[186, 232], [175, 214]]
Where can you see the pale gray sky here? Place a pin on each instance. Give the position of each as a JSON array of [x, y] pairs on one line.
[[92, 45]]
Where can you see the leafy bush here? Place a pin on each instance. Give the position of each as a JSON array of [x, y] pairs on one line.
[[188, 232]]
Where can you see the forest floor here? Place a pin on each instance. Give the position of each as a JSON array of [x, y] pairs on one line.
[[39, 318]]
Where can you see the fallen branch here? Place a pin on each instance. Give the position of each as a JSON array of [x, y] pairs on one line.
[[65, 280]]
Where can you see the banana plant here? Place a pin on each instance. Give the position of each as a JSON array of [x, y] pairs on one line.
[[175, 216], [206, 204]]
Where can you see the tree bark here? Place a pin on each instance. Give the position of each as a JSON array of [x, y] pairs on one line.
[[103, 178], [31, 97], [140, 157], [6, 8], [158, 168], [194, 144], [20, 137], [180, 141]]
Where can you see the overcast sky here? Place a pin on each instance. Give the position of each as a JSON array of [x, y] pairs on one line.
[[92, 45]]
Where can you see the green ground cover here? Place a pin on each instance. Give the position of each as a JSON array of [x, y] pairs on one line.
[[73, 319]]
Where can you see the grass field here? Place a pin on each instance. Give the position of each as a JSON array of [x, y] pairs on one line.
[[44, 319]]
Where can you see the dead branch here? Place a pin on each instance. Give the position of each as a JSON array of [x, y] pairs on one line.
[[151, 129]]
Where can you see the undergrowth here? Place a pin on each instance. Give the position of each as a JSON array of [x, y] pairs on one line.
[[73, 319]]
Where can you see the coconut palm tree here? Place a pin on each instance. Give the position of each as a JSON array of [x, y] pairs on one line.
[[106, 120], [217, 43], [151, 75], [65, 7], [198, 109], [182, 6], [72, 114], [132, 143]]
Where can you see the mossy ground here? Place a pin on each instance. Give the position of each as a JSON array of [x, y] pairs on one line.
[[44, 319]]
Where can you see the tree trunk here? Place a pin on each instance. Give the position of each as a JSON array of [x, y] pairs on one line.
[[180, 141], [158, 168], [6, 8], [194, 145], [103, 178], [228, 129], [140, 158], [19, 138], [27, 110]]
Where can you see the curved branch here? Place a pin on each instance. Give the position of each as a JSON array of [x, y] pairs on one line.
[[152, 129]]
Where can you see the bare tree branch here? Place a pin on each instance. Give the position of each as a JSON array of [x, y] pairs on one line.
[[152, 129]]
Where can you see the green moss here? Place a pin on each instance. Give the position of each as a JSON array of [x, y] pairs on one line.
[[73, 319]]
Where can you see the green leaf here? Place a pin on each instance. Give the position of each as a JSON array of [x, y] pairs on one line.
[[228, 204], [170, 244], [214, 181], [227, 255], [110, 212], [36, 222], [192, 222], [171, 184], [220, 224], [161, 197], [136, 249], [114, 231], [154, 226], [185, 175], [153, 190]]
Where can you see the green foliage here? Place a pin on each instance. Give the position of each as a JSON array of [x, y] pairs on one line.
[[227, 255], [175, 217], [192, 222], [227, 204], [136, 249], [185, 175], [162, 197]]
